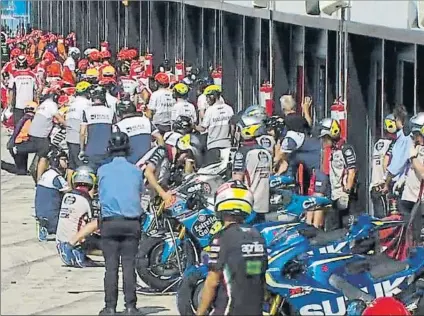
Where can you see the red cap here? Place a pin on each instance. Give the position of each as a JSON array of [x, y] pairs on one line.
[[162, 78]]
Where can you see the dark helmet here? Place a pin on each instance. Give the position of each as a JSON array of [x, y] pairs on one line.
[[21, 62], [119, 141], [55, 156], [125, 107], [98, 95], [183, 125]]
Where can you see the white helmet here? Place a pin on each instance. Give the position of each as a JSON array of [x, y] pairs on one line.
[[84, 176], [74, 52], [234, 198], [417, 123], [330, 127]]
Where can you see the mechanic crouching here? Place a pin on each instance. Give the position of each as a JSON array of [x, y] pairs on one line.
[[342, 171], [120, 188]]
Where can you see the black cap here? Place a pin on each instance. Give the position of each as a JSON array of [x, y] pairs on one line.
[[119, 141]]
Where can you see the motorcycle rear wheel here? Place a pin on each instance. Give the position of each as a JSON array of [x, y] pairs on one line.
[[189, 292], [157, 275]]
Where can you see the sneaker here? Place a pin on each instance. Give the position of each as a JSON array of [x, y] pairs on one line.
[[131, 311], [65, 253], [42, 232], [80, 258]]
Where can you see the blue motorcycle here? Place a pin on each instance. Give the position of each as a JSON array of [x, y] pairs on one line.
[[289, 243], [164, 255]]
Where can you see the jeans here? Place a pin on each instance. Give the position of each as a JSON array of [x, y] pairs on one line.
[[17, 115], [119, 241], [405, 208]]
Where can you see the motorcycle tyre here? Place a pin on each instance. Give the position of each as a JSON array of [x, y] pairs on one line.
[[189, 288], [143, 263]]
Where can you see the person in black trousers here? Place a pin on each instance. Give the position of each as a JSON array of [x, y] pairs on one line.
[[120, 187]]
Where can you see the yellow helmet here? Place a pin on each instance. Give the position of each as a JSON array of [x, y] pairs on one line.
[[330, 127], [181, 88], [108, 71], [92, 73], [212, 89], [234, 198], [82, 86]]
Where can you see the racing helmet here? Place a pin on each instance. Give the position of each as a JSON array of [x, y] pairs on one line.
[[15, 52], [125, 107], [233, 198], [416, 123], [251, 121], [55, 157], [74, 52], [213, 90], [105, 54], [183, 125], [21, 62], [191, 143], [108, 71], [330, 127], [162, 79], [119, 141], [83, 87], [181, 89], [98, 95], [390, 124], [84, 176], [92, 75]]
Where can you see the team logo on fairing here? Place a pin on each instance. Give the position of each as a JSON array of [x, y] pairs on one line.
[[203, 225]]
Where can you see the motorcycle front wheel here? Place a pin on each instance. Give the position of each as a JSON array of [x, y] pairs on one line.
[[163, 275], [189, 294]]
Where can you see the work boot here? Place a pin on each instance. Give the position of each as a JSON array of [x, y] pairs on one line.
[[131, 311], [107, 311]]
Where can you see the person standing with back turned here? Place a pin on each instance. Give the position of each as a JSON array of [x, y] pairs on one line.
[[120, 187]]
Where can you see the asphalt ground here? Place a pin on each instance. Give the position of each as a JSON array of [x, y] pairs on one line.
[[33, 278]]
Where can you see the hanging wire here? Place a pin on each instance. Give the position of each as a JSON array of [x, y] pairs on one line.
[[167, 26], [215, 38], [221, 32], [202, 37], [105, 19], [149, 34], [183, 29]]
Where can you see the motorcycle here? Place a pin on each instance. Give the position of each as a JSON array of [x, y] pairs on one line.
[[289, 243]]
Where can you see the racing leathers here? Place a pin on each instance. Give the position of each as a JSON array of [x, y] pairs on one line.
[[238, 252], [253, 165]]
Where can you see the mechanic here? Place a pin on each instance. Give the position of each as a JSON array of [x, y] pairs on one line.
[[298, 149], [182, 106], [19, 137], [48, 195], [22, 86], [161, 103], [253, 163], [41, 127], [120, 187], [382, 154], [96, 128], [414, 180], [343, 169], [235, 283], [73, 122], [400, 150], [202, 102], [139, 129], [216, 120], [76, 211]]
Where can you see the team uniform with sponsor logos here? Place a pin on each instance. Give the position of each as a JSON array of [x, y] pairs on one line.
[[308, 152], [162, 102], [343, 158], [238, 252], [75, 212], [24, 84], [99, 120], [158, 158], [48, 197], [217, 123], [256, 164], [267, 142], [73, 123], [184, 108], [139, 130]]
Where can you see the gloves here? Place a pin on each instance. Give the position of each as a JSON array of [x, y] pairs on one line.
[[81, 155], [397, 188]]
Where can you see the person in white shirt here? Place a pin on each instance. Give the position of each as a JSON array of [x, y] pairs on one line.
[[73, 57], [182, 106], [217, 120], [161, 103]]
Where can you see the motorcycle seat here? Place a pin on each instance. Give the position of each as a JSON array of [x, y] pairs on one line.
[[323, 238], [378, 266]]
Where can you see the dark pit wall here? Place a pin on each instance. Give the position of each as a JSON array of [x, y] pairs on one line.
[[193, 36], [231, 58], [316, 49], [209, 37], [134, 21], [281, 62], [359, 63], [331, 70], [252, 49], [143, 25], [420, 75], [297, 62]]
